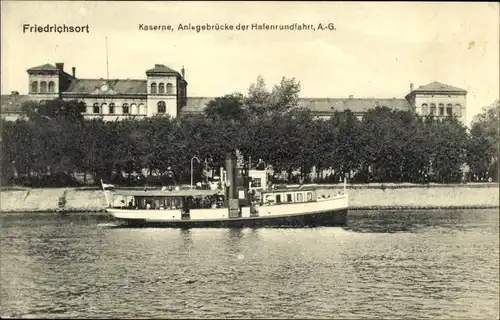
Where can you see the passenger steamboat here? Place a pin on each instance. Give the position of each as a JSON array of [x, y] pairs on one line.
[[235, 203]]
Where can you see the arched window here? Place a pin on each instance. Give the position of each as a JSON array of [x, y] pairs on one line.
[[458, 110], [52, 86], [161, 88], [153, 88], [125, 108], [103, 108], [133, 109], [34, 87], [162, 107], [111, 108], [449, 109], [441, 109], [141, 109], [97, 109], [433, 109], [43, 87], [425, 109], [170, 88]]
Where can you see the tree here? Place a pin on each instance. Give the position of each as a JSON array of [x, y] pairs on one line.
[[285, 96], [228, 107], [483, 146]]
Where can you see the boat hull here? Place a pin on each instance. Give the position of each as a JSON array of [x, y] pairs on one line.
[[337, 217]]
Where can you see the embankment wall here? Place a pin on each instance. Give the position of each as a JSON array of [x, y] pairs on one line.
[[360, 197]]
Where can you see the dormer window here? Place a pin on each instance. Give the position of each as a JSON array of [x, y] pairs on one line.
[[153, 88]]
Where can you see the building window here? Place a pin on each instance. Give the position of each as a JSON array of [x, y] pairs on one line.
[[162, 107], [34, 87], [125, 108], [52, 86], [111, 108], [433, 109], [103, 108], [170, 88], [299, 197], [161, 88], [133, 109], [257, 183], [84, 107], [97, 109], [153, 88], [140, 109], [425, 109], [441, 109], [309, 196], [449, 109], [43, 87], [458, 110]]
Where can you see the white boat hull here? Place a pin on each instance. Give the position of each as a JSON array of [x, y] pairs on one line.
[[324, 212]]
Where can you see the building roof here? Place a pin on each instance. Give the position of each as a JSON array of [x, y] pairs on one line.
[[11, 103], [160, 68], [439, 87], [118, 86], [356, 105], [44, 67], [196, 105], [318, 105]]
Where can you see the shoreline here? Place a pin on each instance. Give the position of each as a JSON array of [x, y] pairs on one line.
[[361, 197]]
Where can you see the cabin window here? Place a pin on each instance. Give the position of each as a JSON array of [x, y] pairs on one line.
[[299, 197], [278, 198], [309, 196], [157, 203], [289, 197]]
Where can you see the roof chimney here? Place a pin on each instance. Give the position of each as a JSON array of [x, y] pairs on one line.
[[183, 72], [74, 72], [60, 66], [411, 87], [351, 96]]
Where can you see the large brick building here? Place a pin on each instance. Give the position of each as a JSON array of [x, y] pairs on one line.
[[164, 92]]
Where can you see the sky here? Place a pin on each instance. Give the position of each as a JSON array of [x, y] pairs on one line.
[[377, 49]]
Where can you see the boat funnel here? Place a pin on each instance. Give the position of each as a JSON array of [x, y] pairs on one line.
[[232, 199]]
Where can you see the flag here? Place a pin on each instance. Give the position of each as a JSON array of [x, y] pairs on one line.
[[107, 186]]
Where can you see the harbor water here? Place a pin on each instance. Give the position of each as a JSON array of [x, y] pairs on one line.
[[384, 264]]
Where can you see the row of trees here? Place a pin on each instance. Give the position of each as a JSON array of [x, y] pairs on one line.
[[385, 146]]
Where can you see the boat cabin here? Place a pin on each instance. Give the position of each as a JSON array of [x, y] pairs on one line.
[[172, 200]]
